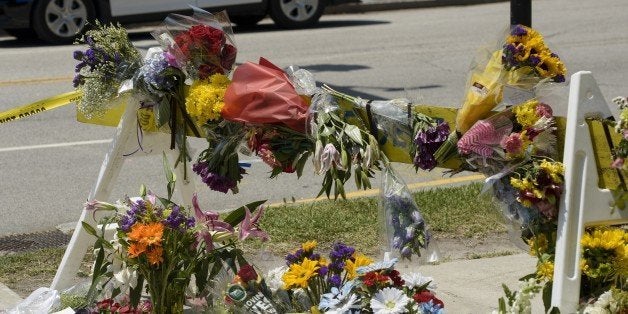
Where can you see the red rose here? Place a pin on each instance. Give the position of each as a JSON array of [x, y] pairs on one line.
[[397, 281], [247, 273], [228, 57]]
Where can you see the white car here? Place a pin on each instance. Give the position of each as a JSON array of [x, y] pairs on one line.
[[58, 21]]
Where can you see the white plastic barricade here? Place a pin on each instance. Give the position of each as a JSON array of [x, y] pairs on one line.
[[124, 141], [583, 203]]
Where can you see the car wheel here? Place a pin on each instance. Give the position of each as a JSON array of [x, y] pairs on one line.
[[296, 13], [59, 21], [246, 20]]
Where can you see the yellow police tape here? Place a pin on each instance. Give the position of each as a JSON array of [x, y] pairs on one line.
[[39, 106]]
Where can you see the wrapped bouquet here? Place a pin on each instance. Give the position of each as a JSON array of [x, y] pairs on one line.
[[507, 75]]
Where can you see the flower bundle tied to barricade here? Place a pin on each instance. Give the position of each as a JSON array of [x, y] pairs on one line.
[[505, 75]]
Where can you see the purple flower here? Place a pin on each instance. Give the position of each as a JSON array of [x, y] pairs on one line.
[[176, 219], [428, 141], [335, 280], [518, 30], [322, 271], [209, 222], [214, 180], [559, 78], [77, 55], [126, 222]]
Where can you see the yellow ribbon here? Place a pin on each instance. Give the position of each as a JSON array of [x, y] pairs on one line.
[[39, 106]]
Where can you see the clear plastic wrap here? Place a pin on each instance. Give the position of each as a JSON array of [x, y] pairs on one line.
[[405, 231]]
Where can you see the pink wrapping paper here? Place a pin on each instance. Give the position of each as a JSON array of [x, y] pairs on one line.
[[262, 94]]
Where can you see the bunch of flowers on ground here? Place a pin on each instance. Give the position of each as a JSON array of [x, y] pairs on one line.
[[171, 251]]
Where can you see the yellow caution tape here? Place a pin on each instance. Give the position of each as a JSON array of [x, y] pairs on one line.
[[39, 106]]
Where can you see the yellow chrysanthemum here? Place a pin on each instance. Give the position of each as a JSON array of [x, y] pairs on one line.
[[538, 244], [351, 266], [299, 275], [205, 98], [556, 170], [526, 113], [545, 271], [521, 184], [608, 239], [309, 246]]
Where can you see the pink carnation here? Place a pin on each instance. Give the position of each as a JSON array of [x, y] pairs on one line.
[[544, 110], [512, 144]]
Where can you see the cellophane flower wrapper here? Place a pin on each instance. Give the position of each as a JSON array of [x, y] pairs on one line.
[[201, 45], [404, 229], [264, 94], [521, 61]]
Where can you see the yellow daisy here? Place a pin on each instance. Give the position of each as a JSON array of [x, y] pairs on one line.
[[299, 275], [358, 260]]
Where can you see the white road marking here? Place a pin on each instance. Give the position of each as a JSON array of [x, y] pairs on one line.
[[55, 145]]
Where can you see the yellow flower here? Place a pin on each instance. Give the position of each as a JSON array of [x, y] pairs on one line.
[[309, 246], [538, 244], [205, 98], [521, 184], [550, 65], [299, 275], [608, 239], [526, 113], [358, 260], [554, 169], [545, 271]]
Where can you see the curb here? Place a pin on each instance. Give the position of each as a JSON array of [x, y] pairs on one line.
[[8, 298], [400, 5]]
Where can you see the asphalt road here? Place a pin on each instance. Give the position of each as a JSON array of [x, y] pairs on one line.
[[49, 162]]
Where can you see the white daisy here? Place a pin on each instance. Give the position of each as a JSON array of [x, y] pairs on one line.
[[348, 306], [387, 264], [389, 301], [415, 280]]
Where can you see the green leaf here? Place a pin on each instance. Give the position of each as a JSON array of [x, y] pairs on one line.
[[89, 229], [353, 132], [136, 293], [344, 157], [547, 296], [169, 175], [301, 164], [237, 215], [142, 190], [358, 178], [502, 306]]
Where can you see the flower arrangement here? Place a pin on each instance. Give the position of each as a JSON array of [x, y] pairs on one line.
[[379, 288], [405, 229], [522, 61], [429, 135], [161, 246], [108, 61], [604, 277]]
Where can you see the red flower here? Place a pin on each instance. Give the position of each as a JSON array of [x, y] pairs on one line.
[[427, 296], [247, 273], [375, 279], [228, 56], [397, 281]]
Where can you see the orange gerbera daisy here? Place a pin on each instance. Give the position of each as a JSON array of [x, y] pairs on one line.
[[136, 249], [155, 255]]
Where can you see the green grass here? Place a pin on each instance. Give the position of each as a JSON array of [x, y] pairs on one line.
[[458, 212], [449, 212]]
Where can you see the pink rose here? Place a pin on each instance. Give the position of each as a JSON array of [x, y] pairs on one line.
[[512, 144]]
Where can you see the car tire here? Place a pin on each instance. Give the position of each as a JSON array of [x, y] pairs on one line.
[[246, 20], [296, 13], [60, 21]]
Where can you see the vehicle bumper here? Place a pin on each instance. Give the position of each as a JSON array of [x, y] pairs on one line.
[[15, 14]]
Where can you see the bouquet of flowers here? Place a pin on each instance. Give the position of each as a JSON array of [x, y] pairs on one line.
[[521, 62], [160, 245], [498, 143], [379, 288], [404, 227], [301, 285], [109, 60], [604, 278], [429, 135]]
